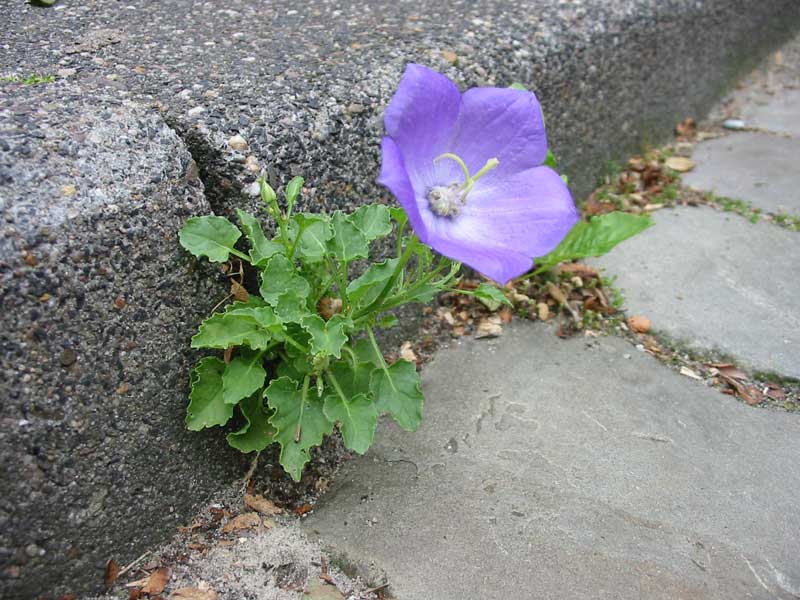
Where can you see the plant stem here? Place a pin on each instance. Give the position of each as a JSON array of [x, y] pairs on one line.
[[412, 243], [238, 254], [336, 386]]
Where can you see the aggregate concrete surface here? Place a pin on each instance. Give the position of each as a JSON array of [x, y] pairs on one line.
[[97, 463], [578, 469]]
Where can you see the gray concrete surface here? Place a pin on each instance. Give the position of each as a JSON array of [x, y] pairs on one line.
[[760, 165], [761, 168], [573, 469], [716, 282], [96, 312]]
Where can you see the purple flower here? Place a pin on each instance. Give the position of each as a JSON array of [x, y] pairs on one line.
[[468, 171]]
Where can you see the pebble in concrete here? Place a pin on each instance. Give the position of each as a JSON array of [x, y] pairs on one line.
[[560, 469], [717, 282]]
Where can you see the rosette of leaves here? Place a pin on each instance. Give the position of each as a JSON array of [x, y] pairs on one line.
[[299, 357]]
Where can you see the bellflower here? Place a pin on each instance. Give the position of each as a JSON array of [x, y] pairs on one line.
[[467, 169]]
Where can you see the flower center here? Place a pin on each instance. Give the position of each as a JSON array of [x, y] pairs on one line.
[[447, 200]]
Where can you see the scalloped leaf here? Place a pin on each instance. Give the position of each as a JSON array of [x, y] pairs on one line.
[[397, 392], [207, 407], [209, 236]]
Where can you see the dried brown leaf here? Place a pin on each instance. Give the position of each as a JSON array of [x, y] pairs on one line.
[[681, 164], [238, 291], [505, 315], [193, 594], [262, 505], [489, 327], [578, 269], [543, 311], [244, 521], [111, 574], [156, 582], [556, 293]]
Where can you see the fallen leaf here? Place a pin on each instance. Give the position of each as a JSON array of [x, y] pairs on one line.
[[686, 128], [262, 505], [327, 307], [731, 371], [407, 353], [111, 574], [748, 393], [123, 388], [156, 582], [193, 594], [197, 547], [228, 354], [489, 327], [776, 393], [689, 373], [30, 259], [303, 509], [244, 521], [639, 324], [577, 269], [519, 299], [238, 291], [556, 293], [505, 315], [450, 56], [681, 164]]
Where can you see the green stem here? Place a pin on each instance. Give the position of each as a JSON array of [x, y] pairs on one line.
[[303, 396], [377, 349], [412, 243], [238, 254]]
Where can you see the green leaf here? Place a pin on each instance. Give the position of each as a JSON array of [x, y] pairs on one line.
[[252, 301], [550, 160], [327, 336], [518, 86], [367, 287], [315, 231], [373, 221], [396, 391], [280, 277], [223, 330], [353, 381], [398, 215], [423, 293], [206, 407], [491, 296], [594, 238], [292, 191], [213, 237], [365, 352], [358, 417], [257, 433], [299, 422], [291, 307], [263, 315], [243, 376], [261, 248], [388, 321], [348, 242]]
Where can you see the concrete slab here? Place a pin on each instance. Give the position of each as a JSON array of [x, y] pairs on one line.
[[758, 167], [547, 468], [776, 112], [717, 282]]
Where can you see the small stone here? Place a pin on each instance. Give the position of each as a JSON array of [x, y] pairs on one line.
[[355, 109], [251, 164], [238, 143], [30, 259], [64, 73], [684, 149], [639, 324], [734, 124], [196, 111], [33, 550], [119, 302], [68, 357], [69, 189], [450, 56], [543, 311], [140, 70]]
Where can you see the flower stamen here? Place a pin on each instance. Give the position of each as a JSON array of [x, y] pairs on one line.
[[446, 201]]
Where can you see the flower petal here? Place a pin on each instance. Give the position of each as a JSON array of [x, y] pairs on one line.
[[500, 123], [503, 227], [394, 177], [420, 119]]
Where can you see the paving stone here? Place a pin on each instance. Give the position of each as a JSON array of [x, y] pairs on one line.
[[716, 281], [776, 112], [547, 468], [760, 168]]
